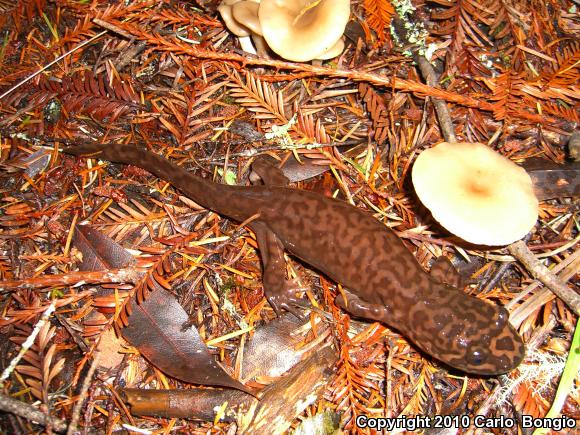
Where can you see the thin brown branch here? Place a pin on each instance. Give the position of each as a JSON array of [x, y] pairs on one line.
[[83, 394], [443, 114], [521, 251], [445, 122], [356, 75], [103, 276], [314, 70], [30, 413]]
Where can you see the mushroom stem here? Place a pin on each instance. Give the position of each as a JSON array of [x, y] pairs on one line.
[[246, 44], [261, 46]]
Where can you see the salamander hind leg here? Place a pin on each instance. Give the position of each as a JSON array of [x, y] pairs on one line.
[[360, 308], [280, 292], [265, 169]]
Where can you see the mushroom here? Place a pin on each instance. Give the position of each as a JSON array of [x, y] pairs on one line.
[[476, 193], [298, 30], [302, 30]]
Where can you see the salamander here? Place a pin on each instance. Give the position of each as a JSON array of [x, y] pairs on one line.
[[382, 279]]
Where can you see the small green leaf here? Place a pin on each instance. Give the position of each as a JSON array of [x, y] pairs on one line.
[[230, 177]]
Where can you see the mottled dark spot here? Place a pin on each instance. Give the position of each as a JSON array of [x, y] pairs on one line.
[[472, 330], [502, 363], [505, 343], [419, 317], [454, 331], [440, 320]]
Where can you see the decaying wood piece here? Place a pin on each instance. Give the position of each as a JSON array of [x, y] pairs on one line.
[[196, 403], [283, 401], [279, 404]]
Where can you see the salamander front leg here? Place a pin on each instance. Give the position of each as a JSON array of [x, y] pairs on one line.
[[361, 308], [444, 271], [279, 291], [265, 170]]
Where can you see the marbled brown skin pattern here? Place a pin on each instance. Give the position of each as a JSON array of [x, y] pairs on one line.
[[384, 281]]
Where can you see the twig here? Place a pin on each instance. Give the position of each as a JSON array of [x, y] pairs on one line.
[[58, 59], [375, 79], [540, 298], [497, 276], [30, 413], [28, 343], [314, 70], [127, 55], [83, 393], [445, 122], [112, 28], [520, 251], [130, 274]]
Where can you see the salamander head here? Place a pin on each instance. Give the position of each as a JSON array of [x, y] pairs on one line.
[[466, 333]]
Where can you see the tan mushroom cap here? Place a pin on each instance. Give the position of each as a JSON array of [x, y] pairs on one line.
[[476, 193], [231, 12], [302, 30], [246, 13], [334, 51]]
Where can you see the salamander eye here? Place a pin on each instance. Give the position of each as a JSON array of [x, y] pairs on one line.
[[475, 356]]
